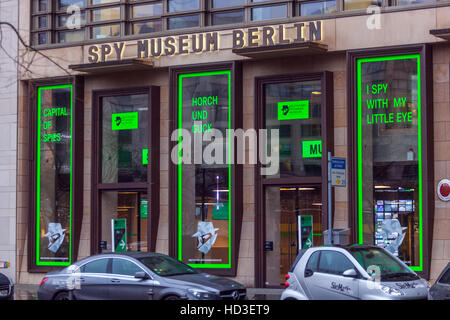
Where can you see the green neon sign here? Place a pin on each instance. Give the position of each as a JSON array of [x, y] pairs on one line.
[[312, 149], [293, 110], [201, 104], [387, 110], [54, 204], [125, 121]]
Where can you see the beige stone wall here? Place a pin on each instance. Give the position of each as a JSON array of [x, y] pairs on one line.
[[441, 96]]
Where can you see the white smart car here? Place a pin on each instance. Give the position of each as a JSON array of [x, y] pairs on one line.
[[352, 272]]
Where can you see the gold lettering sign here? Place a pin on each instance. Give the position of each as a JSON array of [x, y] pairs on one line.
[[209, 42]]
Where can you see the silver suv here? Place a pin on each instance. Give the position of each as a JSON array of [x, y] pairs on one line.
[[352, 272]]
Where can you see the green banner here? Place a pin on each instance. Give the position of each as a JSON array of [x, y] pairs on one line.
[[306, 227], [312, 149], [144, 208], [125, 121], [292, 110], [119, 235]]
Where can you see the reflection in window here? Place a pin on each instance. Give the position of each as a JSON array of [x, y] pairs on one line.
[[103, 1], [295, 110], [412, 2], [333, 262], [102, 32], [106, 14], [147, 10], [217, 4], [124, 137], [317, 7], [64, 19], [183, 5], [70, 36], [66, 3], [125, 267], [360, 4], [228, 17], [147, 27], [269, 12], [389, 157], [186, 21], [42, 38]]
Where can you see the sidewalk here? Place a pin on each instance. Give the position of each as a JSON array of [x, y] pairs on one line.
[[29, 292]]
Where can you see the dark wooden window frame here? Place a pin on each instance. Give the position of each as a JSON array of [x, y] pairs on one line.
[[236, 169], [426, 70], [77, 166], [327, 125], [152, 184]]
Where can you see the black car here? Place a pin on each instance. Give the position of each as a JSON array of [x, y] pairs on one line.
[[136, 276], [6, 288], [441, 288]]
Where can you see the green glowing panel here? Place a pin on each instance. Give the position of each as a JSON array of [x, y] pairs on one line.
[[119, 228], [144, 156], [292, 110], [312, 149], [388, 118], [204, 231], [125, 121], [54, 176]]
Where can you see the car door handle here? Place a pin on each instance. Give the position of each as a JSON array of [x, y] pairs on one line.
[[115, 280], [308, 273]]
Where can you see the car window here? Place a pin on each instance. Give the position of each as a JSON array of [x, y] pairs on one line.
[[96, 266], [334, 263], [313, 261], [166, 266], [445, 279], [375, 257], [125, 267]]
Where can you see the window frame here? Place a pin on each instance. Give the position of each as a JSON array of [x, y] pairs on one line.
[[77, 83], [327, 128], [426, 71], [236, 179], [151, 186], [205, 12]]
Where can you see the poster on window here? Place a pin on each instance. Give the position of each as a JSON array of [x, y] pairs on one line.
[[204, 201], [54, 176]]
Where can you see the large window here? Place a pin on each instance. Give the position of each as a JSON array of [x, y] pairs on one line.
[[204, 202], [389, 155], [204, 213], [54, 175]]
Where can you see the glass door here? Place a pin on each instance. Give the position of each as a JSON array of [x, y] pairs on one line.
[[131, 207], [293, 219]]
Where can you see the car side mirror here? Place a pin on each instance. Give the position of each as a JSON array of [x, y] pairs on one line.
[[141, 275], [350, 273]]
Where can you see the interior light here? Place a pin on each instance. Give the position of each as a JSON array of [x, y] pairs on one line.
[[382, 187], [316, 92]]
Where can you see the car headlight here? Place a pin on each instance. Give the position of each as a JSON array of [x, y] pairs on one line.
[[202, 294], [391, 291]]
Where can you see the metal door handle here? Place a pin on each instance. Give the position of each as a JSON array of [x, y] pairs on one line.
[[115, 281]]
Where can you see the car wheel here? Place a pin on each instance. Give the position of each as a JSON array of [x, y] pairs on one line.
[[62, 296], [172, 297]]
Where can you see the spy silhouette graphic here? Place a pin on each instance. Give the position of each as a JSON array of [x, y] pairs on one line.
[[118, 121], [285, 110]]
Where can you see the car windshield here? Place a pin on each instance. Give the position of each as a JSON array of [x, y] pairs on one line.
[[390, 269], [166, 266]]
